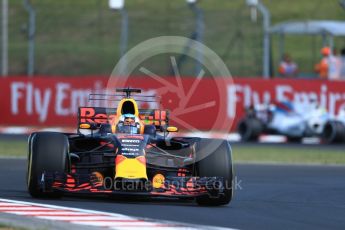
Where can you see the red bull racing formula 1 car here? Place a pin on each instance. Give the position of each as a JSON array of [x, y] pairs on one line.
[[126, 151]]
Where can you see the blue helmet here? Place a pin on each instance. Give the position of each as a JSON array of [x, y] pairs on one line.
[[128, 123]]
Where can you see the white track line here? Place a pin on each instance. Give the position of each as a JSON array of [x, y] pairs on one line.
[[6, 204], [19, 208], [42, 213], [82, 218], [88, 217]]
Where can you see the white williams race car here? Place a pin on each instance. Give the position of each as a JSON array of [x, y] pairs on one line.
[[283, 118]]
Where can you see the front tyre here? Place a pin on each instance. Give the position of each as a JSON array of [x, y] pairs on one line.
[[216, 164], [48, 152]]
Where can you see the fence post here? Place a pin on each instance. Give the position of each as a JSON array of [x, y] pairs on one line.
[[266, 39], [31, 37], [119, 5], [198, 33], [124, 36], [4, 39], [266, 43]]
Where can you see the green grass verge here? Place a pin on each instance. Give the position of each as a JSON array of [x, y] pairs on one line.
[[278, 154], [293, 155], [13, 148], [10, 227]]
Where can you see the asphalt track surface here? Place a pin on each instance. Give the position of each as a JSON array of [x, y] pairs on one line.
[[267, 197]]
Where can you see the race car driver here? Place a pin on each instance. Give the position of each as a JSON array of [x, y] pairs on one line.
[[128, 123]]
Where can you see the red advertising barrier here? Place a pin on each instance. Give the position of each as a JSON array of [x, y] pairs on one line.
[[213, 104], [54, 101]]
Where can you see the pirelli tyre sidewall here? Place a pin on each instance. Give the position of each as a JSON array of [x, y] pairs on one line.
[[217, 164], [48, 152], [250, 129], [334, 132]]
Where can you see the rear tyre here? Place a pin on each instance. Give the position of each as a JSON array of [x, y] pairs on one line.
[[333, 132], [216, 164], [250, 129], [48, 152]]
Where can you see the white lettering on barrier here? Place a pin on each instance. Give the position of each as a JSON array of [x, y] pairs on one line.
[[244, 95], [333, 98], [29, 98], [266, 98], [232, 99], [78, 98], [33, 99], [323, 96], [281, 91], [38, 101], [74, 98], [16, 94], [305, 97], [61, 96], [42, 106]]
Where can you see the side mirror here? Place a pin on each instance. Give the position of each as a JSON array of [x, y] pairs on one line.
[[172, 129]]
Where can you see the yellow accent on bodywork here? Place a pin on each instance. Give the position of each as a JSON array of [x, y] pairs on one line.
[[172, 129], [131, 168], [119, 107], [84, 126], [158, 181]]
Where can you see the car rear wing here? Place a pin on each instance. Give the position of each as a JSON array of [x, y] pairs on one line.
[[101, 115]]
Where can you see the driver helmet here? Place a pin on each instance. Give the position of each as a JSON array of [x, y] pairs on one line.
[[128, 123]]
